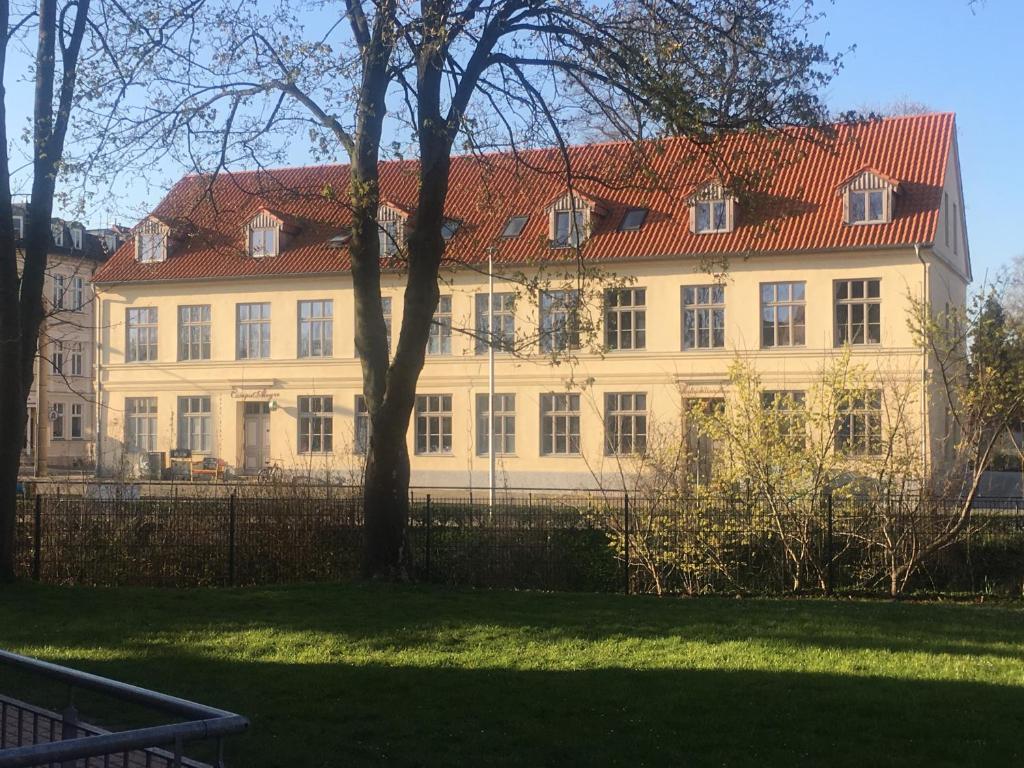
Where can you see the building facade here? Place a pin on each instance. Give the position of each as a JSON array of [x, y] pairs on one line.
[[227, 330], [61, 434]]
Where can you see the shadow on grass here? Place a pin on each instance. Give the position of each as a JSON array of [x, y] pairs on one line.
[[344, 715]]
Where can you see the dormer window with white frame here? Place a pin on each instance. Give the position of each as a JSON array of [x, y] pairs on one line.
[[151, 241], [571, 220], [76, 238], [868, 197], [391, 230], [262, 242], [265, 234], [712, 210], [57, 230]]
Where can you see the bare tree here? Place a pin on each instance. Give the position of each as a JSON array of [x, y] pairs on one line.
[[441, 76]]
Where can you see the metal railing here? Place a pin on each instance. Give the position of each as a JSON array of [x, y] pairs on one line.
[[67, 742]]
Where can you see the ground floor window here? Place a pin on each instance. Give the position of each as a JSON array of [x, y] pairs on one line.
[[316, 424], [504, 422], [433, 424], [362, 426], [57, 421], [859, 423], [625, 422], [194, 423], [559, 424], [140, 423], [77, 421]]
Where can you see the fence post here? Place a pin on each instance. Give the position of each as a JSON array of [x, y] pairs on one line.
[[69, 725], [427, 558], [829, 545], [37, 538], [625, 516], [231, 540]]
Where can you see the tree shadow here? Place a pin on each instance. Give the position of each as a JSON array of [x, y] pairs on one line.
[[361, 715]]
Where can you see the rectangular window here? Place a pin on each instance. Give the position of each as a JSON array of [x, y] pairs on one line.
[[253, 331], [58, 291], [790, 407], [57, 421], [194, 332], [151, 246], [362, 426], [194, 423], [945, 217], [559, 424], [504, 423], [385, 305], [262, 242], [502, 331], [859, 424], [77, 293], [559, 321], [140, 423], [57, 357], [701, 447], [76, 238], [858, 312], [625, 318], [19, 227], [782, 314], [389, 234], [141, 332], [867, 206], [703, 316], [316, 328], [568, 228], [625, 423], [57, 230], [440, 340], [433, 424], [710, 216], [76, 421], [316, 424], [77, 360], [956, 228]]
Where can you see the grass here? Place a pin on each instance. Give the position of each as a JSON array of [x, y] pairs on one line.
[[372, 675]]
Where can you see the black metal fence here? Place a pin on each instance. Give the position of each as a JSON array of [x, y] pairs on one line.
[[566, 541]]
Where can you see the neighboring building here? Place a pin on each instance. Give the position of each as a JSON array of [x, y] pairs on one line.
[[226, 323], [64, 439]]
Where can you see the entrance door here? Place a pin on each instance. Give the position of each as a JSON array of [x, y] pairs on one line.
[[256, 436]]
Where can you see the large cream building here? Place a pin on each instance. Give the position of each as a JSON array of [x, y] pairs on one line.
[[226, 322]]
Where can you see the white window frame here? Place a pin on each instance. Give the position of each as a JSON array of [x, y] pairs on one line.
[[57, 425], [140, 423], [77, 421], [151, 247], [77, 355], [362, 427], [59, 290], [195, 332], [439, 341], [560, 424], [503, 421], [141, 322], [57, 232], [76, 238], [559, 321], [864, 196], [569, 228], [389, 235], [433, 425], [625, 319], [845, 330], [782, 303], [195, 422], [19, 227], [712, 216], [859, 424], [252, 333], [57, 357], [502, 332], [315, 424], [625, 423], [704, 307], [263, 242], [77, 293], [319, 326]]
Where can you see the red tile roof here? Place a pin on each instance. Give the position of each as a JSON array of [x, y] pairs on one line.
[[793, 208]]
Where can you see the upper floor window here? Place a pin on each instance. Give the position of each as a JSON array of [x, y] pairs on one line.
[[868, 197], [439, 342], [633, 219], [497, 326], [712, 209], [140, 334], [152, 246], [77, 293], [253, 331], [514, 226], [559, 321], [77, 359], [262, 242], [568, 228], [59, 291], [858, 312], [57, 357], [703, 316], [194, 332], [316, 328], [625, 318], [783, 314]]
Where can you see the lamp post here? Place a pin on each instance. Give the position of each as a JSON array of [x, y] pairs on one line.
[[490, 376]]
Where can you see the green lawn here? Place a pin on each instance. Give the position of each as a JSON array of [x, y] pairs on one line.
[[372, 675]]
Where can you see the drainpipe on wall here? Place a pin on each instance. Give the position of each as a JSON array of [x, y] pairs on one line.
[[97, 398], [924, 362]]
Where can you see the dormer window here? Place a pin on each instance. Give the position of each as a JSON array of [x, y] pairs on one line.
[[391, 229], [262, 242], [712, 210], [152, 247], [76, 238], [868, 197], [569, 229]]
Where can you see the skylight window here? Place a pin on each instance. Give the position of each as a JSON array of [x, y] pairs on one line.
[[514, 226], [340, 240], [449, 227], [633, 219]]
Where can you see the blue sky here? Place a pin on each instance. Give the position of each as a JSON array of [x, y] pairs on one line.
[[946, 54]]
